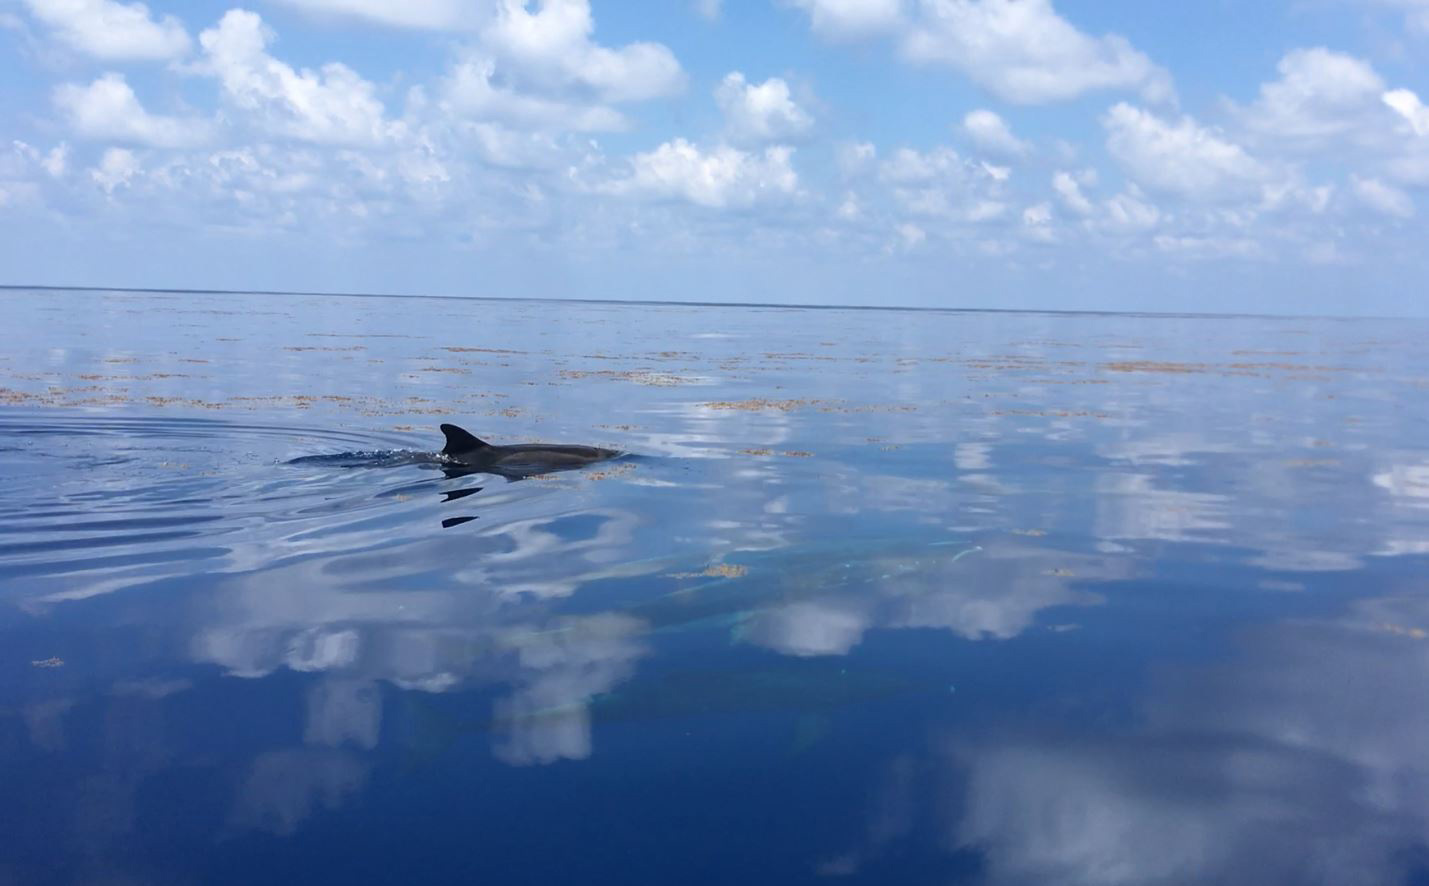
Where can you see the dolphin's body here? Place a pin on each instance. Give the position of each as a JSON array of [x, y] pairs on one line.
[[465, 451]]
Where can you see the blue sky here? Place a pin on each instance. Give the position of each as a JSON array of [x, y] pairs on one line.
[[1075, 155]]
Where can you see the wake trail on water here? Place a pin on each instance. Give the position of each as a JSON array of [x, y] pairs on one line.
[[369, 458]]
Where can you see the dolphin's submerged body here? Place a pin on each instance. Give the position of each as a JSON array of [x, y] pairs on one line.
[[464, 451]]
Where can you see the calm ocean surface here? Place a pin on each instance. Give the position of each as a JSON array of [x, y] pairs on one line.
[[878, 597]]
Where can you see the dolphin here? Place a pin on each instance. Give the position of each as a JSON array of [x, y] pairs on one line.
[[468, 453]]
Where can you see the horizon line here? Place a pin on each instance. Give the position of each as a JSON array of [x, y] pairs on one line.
[[157, 290]]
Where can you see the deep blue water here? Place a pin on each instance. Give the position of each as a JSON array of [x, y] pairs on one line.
[[877, 597]]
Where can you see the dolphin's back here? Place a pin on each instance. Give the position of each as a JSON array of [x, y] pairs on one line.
[[464, 448], [540, 454]]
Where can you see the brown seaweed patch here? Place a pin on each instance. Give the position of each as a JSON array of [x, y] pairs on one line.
[[727, 570], [716, 570], [638, 376], [357, 335], [1298, 367], [870, 407], [183, 401], [759, 404], [1239, 368], [1153, 366], [90, 376], [1054, 413], [613, 471]]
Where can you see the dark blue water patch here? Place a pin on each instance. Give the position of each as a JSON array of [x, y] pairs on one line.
[[1415, 862]]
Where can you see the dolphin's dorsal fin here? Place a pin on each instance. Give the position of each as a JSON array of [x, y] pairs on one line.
[[459, 440]]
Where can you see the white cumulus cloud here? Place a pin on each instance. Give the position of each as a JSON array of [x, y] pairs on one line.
[[852, 19], [1022, 51], [108, 110], [332, 106], [1069, 192], [471, 91], [941, 184], [1383, 198], [855, 157], [721, 177], [116, 169], [1180, 156], [1320, 95], [539, 68], [1406, 103], [112, 31], [552, 46], [990, 133], [909, 166], [1411, 163], [1204, 248], [429, 14], [1416, 13], [1129, 212], [757, 113], [17, 162], [56, 161], [910, 236]]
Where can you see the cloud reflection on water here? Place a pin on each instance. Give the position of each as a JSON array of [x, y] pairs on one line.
[[1297, 759]]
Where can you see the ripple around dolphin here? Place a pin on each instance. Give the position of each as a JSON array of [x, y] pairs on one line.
[[142, 490]]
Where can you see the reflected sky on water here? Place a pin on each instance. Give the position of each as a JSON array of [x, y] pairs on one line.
[[877, 596]]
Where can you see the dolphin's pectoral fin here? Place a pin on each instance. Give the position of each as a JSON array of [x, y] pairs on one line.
[[459, 440]]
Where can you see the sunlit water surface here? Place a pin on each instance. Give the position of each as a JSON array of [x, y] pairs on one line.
[[878, 597]]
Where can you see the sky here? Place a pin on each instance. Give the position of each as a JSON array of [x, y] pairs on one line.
[[1266, 157]]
